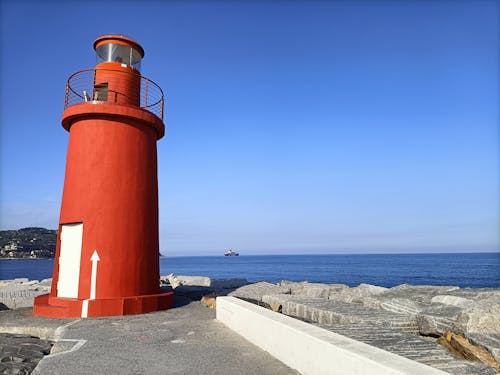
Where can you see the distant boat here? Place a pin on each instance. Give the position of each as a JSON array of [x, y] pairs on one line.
[[231, 253]]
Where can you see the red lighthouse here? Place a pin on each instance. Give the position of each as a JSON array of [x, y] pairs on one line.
[[107, 250]]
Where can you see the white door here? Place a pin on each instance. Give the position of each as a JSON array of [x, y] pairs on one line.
[[69, 260]]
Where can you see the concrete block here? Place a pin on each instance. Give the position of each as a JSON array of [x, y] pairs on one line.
[[331, 312], [482, 317], [178, 280], [20, 280], [418, 293], [255, 292], [194, 280], [433, 325], [46, 282], [357, 293], [399, 305], [309, 349], [315, 290], [452, 300]]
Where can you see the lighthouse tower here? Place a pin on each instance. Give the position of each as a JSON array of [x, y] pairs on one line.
[[107, 254]]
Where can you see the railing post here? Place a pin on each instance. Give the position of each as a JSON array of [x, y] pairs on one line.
[[66, 95], [162, 107], [146, 104]]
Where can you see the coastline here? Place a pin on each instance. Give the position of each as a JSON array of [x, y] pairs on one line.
[[25, 258], [464, 270]]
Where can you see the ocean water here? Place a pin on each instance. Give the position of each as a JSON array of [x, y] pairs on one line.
[[465, 270]]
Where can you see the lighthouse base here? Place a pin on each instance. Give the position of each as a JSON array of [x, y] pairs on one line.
[[55, 307]]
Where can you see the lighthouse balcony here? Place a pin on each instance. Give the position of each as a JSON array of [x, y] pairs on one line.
[[120, 86]]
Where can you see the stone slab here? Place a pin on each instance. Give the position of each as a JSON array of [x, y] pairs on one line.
[[397, 333], [255, 292]]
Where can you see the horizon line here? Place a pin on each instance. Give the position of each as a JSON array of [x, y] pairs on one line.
[[312, 254]]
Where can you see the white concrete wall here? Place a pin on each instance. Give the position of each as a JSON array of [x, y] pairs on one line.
[[309, 349]]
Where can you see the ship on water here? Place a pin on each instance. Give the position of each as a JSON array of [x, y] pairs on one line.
[[231, 253]]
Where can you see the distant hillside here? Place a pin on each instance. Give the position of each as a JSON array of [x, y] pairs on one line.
[[28, 243]]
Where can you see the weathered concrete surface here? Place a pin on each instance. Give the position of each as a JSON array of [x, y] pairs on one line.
[[178, 280], [418, 348], [315, 290], [22, 321], [311, 349], [399, 318], [255, 292], [20, 292], [481, 317], [332, 312], [358, 293], [182, 340]]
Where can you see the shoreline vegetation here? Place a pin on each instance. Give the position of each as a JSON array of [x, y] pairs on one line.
[[28, 243]]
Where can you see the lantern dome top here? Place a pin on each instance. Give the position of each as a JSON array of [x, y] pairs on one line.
[[118, 48], [119, 39]]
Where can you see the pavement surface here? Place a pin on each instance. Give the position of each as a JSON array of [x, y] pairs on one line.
[[183, 340]]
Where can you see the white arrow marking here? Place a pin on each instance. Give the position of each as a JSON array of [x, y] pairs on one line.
[[93, 278]]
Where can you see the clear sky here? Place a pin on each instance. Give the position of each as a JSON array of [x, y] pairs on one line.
[[292, 127]]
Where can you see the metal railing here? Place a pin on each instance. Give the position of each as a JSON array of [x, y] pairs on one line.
[[80, 88]]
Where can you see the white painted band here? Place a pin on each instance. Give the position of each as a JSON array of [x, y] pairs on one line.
[[85, 308]]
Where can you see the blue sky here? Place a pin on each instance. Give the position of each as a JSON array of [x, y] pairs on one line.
[[292, 127]]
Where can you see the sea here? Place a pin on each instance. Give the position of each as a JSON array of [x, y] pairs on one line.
[[474, 270]]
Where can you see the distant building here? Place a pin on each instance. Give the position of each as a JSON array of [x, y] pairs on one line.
[[12, 246]]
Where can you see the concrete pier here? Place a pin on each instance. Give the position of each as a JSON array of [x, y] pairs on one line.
[[184, 340]]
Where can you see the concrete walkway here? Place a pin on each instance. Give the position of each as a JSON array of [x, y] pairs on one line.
[[184, 340]]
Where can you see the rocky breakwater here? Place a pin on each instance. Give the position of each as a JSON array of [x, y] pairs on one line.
[[453, 329], [21, 292]]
